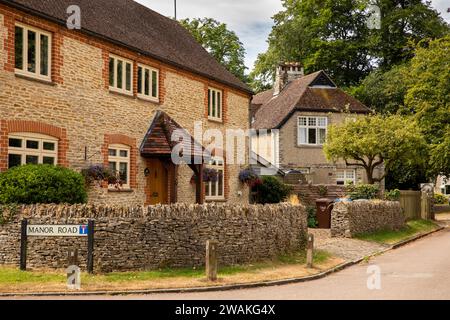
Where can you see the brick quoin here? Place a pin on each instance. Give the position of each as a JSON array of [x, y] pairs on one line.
[[14, 126], [127, 141]]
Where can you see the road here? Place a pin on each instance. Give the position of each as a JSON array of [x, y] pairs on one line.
[[420, 270]]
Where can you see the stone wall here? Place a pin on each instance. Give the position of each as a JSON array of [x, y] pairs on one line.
[[364, 216], [142, 238]]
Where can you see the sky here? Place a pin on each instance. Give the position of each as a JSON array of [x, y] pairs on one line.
[[250, 19]]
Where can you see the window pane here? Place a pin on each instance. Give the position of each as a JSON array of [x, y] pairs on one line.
[[123, 171], [139, 81], [111, 72], [124, 153], [31, 51], [312, 139], [154, 84], [18, 48], [31, 144], [209, 102], [147, 82], [213, 189], [14, 160], [48, 160], [113, 167], [213, 103], [219, 101], [207, 189], [15, 143], [302, 121], [44, 55], [128, 77], [49, 146], [119, 74], [32, 160], [322, 135], [302, 133], [112, 152], [312, 121], [220, 183], [322, 122]]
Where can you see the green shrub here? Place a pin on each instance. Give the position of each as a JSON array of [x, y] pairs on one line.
[[312, 217], [272, 190], [32, 184], [392, 195], [363, 191], [440, 199]]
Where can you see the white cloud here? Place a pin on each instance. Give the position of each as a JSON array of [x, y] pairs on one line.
[[250, 19]]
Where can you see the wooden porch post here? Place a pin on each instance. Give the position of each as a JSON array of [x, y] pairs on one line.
[[200, 197]]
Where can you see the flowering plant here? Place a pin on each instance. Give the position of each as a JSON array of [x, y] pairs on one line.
[[209, 175], [249, 177], [99, 173]]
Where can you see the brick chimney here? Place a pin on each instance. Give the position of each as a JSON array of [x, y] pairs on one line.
[[286, 72]]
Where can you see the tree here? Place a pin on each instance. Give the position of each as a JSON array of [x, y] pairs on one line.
[[376, 140], [221, 43], [333, 35], [428, 96]]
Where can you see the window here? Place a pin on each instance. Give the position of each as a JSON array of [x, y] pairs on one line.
[[120, 75], [312, 130], [27, 148], [32, 50], [344, 176], [148, 83], [215, 104], [304, 170], [445, 189], [119, 162], [215, 190]]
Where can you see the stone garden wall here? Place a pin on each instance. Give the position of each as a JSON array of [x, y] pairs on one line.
[[157, 236], [363, 216]]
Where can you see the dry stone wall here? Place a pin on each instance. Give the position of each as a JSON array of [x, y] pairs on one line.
[[142, 238], [364, 216]]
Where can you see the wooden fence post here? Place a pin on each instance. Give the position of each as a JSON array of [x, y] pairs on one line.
[[310, 251], [211, 260]]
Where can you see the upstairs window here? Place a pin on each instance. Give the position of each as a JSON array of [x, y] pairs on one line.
[[119, 162], [27, 148], [215, 190], [120, 75], [148, 83], [312, 130], [215, 104], [32, 52]]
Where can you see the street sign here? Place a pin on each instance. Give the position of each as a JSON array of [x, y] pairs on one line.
[[57, 230]]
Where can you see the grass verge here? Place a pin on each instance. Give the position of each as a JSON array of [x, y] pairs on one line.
[[413, 228], [284, 267]]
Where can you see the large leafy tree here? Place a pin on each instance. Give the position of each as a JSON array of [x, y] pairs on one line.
[[222, 43], [333, 35], [376, 140]]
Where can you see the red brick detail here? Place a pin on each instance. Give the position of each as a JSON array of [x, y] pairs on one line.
[[105, 57], [3, 145], [225, 107], [12, 126], [9, 43], [128, 141], [57, 57]]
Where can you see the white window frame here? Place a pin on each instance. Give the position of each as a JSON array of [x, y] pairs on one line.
[[345, 177], [308, 126], [217, 163], [118, 159], [150, 96], [114, 87], [24, 71], [23, 151], [304, 170], [215, 116]]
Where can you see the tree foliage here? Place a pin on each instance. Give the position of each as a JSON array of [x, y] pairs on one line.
[[372, 141], [222, 43], [333, 35]]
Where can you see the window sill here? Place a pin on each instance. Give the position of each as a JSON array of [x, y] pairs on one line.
[[123, 94], [215, 120], [143, 98], [120, 190], [31, 78], [310, 146], [216, 200]]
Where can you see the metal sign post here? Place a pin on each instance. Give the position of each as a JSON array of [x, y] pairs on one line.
[[23, 245], [90, 258]]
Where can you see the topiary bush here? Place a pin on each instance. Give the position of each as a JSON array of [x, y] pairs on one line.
[[32, 184], [272, 190], [363, 191]]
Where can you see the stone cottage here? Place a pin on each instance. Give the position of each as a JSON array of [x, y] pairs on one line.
[[110, 93], [291, 121]]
